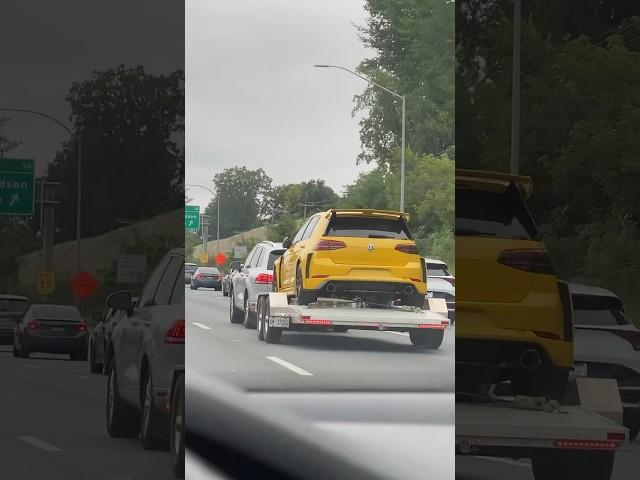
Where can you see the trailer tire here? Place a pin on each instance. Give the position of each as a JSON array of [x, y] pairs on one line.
[[271, 334], [260, 318], [430, 339], [554, 465]]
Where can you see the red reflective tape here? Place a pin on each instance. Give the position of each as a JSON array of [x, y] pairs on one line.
[[435, 326]]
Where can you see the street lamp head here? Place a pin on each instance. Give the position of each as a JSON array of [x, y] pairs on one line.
[[322, 66]]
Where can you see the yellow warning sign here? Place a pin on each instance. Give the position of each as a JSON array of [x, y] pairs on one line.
[[46, 283]]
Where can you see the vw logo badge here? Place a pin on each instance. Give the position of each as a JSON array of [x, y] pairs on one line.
[[371, 247]]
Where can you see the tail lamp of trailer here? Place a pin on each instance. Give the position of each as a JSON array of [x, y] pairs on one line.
[[587, 444], [434, 326], [307, 320]]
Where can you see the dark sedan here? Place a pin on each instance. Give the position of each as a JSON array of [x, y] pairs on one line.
[[207, 277], [51, 329], [12, 307]]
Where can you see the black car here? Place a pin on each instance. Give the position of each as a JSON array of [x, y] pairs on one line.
[[51, 329], [189, 268], [12, 307], [208, 277]]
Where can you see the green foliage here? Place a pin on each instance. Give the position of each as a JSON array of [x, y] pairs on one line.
[[287, 226], [128, 120], [414, 44]]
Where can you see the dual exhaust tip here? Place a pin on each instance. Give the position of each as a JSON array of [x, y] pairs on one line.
[[530, 359], [331, 288]]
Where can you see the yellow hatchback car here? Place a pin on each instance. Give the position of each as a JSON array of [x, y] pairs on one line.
[[514, 318], [353, 253]]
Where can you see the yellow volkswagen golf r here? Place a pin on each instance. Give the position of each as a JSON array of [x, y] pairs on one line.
[[514, 318], [352, 253]]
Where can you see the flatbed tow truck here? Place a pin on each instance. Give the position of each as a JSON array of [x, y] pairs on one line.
[[277, 312], [562, 441]]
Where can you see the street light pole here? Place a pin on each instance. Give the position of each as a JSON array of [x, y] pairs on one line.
[[77, 137], [397, 95], [515, 88], [217, 195]]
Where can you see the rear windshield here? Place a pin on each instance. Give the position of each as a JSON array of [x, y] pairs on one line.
[[62, 312], [190, 267], [368, 227], [208, 270], [13, 305], [504, 215], [437, 270], [273, 256], [598, 311]]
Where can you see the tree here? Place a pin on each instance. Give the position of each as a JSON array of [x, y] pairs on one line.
[[242, 195], [6, 144], [130, 123], [414, 44]]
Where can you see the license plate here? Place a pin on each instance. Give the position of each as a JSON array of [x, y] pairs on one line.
[[580, 369], [429, 294], [57, 330], [280, 322]]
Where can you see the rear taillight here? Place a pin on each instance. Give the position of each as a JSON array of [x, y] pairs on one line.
[[409, 248], [329, 245], [33, 325], [81, 327], [264, 278], [533, 260], [199, 276], [175, 333], [632, 337]]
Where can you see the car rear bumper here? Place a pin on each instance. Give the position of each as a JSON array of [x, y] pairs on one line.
[[368, 286], [208, 283], [52, 344]]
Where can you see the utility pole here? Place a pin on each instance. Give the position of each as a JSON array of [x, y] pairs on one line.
[[218, 222], [204, 222], [515, 89]]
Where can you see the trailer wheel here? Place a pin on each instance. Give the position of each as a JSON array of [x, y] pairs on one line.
[[554, 465], [430, 339], [271, 334], [260, 318]]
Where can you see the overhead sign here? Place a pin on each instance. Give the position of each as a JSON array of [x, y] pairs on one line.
[[131, 268], [16, 186], [191, 217], [239, 251], [46, 283], [83, 284], [220, 259], [204, 257]]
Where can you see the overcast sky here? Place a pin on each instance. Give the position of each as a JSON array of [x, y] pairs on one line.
[[254, 98]]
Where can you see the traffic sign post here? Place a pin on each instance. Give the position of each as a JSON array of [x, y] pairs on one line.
[[16, 186], [191, 217]]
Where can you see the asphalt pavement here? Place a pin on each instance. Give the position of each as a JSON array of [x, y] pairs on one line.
[[310, 361], [53, 425]]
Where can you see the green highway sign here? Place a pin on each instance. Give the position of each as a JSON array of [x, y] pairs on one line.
[[16, 186], [191, 217]]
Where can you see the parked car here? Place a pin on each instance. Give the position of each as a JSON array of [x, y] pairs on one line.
[[208, 277], [441, 284], [353, 253], [189, 268], [101, 338], [146, 345], [48, 328], [514, 318], [12, 307], [254, 276], [607, 345]]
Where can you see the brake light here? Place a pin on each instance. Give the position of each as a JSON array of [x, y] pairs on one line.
[[550, 335], [33, 325], [435, 326], [409, 248], [175, 333], [586, 444], [329, 245], [307, 320], [532, 260], [631, 336], [264, 278], [81, 327]]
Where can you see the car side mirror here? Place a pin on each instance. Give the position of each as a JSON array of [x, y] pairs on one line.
[[234, 266], [120, 300], [286, 243]]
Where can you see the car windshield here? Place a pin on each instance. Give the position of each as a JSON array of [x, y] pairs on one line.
[[58, 312], [485, 213], [598, 311], [367, 227], [273, 256], [437, 270], [208, 270], [13, 305]]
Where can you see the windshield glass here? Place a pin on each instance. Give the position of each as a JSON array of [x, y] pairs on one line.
[[61, 312], [367, 227], [13, 305], [437, 270], [598, 311], [190, 267]]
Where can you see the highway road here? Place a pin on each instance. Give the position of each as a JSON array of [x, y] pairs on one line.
[[310, 361], [53, 425]]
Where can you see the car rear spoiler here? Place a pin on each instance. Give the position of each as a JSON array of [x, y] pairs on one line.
[[481, 178], [369, 212]]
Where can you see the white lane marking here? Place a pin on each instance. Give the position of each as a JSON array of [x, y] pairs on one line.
[[290, 366], [513, 463], [82, 377], [235, 340], [36, 442], [199, 325], [398, 333]]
